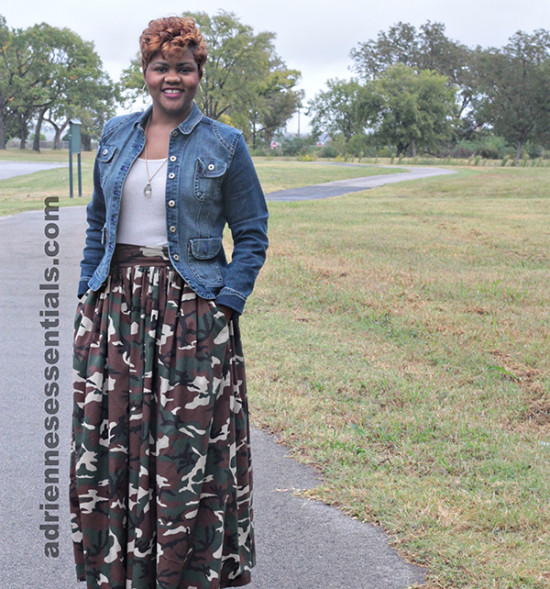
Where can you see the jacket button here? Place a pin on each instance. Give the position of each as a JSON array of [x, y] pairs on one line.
[[171, 175], [174, 133], [173, 158], [105, 151], [172, 228], [210, 167], [176, 257], [171, 203]]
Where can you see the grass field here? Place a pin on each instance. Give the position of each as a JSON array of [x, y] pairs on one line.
[[399, 340]]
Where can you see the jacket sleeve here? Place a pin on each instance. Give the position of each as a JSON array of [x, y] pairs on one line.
[[246, 212], [94, 248]]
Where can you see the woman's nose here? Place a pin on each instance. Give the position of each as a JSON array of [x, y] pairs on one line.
[[172, 74]]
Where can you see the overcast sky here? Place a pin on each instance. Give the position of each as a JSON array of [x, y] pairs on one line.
[[313, 36]]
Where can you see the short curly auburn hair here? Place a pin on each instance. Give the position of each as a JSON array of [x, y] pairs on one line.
[[170, 36]]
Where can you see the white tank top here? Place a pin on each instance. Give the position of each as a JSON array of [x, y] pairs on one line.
[[142, 219]]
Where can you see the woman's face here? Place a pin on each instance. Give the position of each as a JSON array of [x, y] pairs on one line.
[[172, 83]]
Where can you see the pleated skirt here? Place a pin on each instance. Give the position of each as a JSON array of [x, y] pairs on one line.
[[161, 475]]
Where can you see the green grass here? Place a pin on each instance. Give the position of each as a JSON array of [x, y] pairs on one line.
[[399, 339], [46, 155]]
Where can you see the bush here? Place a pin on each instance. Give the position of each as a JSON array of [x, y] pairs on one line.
[[487, 146], [328, 150], [356, 145], [293, 146], [385, 152], [257, 152], [534, 150]]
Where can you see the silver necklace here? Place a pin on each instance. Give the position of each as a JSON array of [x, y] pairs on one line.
[[148, 191]]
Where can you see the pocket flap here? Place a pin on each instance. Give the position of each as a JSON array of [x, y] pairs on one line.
[[205, 248], [211, 168], [106, 153]]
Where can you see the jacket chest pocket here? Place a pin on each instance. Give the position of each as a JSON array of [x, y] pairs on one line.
[[208, 178]]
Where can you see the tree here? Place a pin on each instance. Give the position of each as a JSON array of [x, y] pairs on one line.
[[244, 81], [425, 49], [514, 88], [50, 74], [273, 103], [73, 81], [335, 111], [398, 45], [407, 109], [17, 78]]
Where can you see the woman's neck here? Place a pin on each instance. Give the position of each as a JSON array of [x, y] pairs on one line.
[[158, 129]]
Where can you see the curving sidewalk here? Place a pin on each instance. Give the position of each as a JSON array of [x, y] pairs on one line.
[[339, 187], [8, 169]]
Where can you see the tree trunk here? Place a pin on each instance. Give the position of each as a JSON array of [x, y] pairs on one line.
[[253, 135], [2, 130], [36, 142], [58, 133], [519, 149], [57, 139], [23, 132]]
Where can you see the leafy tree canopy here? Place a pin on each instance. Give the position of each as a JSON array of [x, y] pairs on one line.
[[426, 48], [407, 109], [50, 74], [335, 110], [514, 85]]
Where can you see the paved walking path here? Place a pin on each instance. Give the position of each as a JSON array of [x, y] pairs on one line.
[[340, 187], [301, 544], [9, 168]]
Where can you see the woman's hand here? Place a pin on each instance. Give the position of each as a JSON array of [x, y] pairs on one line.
[[227, 311]]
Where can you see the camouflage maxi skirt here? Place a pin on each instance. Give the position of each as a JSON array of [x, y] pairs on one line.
[[161, 478]]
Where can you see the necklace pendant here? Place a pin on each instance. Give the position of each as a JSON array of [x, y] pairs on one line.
[[147, 191]]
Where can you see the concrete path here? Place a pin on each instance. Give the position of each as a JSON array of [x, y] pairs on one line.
[[9, 168], [340, 187], [301, 544]]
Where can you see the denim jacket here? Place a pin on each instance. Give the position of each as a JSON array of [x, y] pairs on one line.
[[210, 181]]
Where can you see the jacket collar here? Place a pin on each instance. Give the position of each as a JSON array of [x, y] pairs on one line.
[[185, 127]]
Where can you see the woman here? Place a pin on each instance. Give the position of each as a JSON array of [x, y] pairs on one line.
[[161, 477]]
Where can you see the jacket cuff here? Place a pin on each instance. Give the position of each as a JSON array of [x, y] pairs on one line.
[[82, 287], [231, 299]]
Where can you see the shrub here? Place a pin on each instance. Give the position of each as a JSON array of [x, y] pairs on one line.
[[299, 145], [328, 150]]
